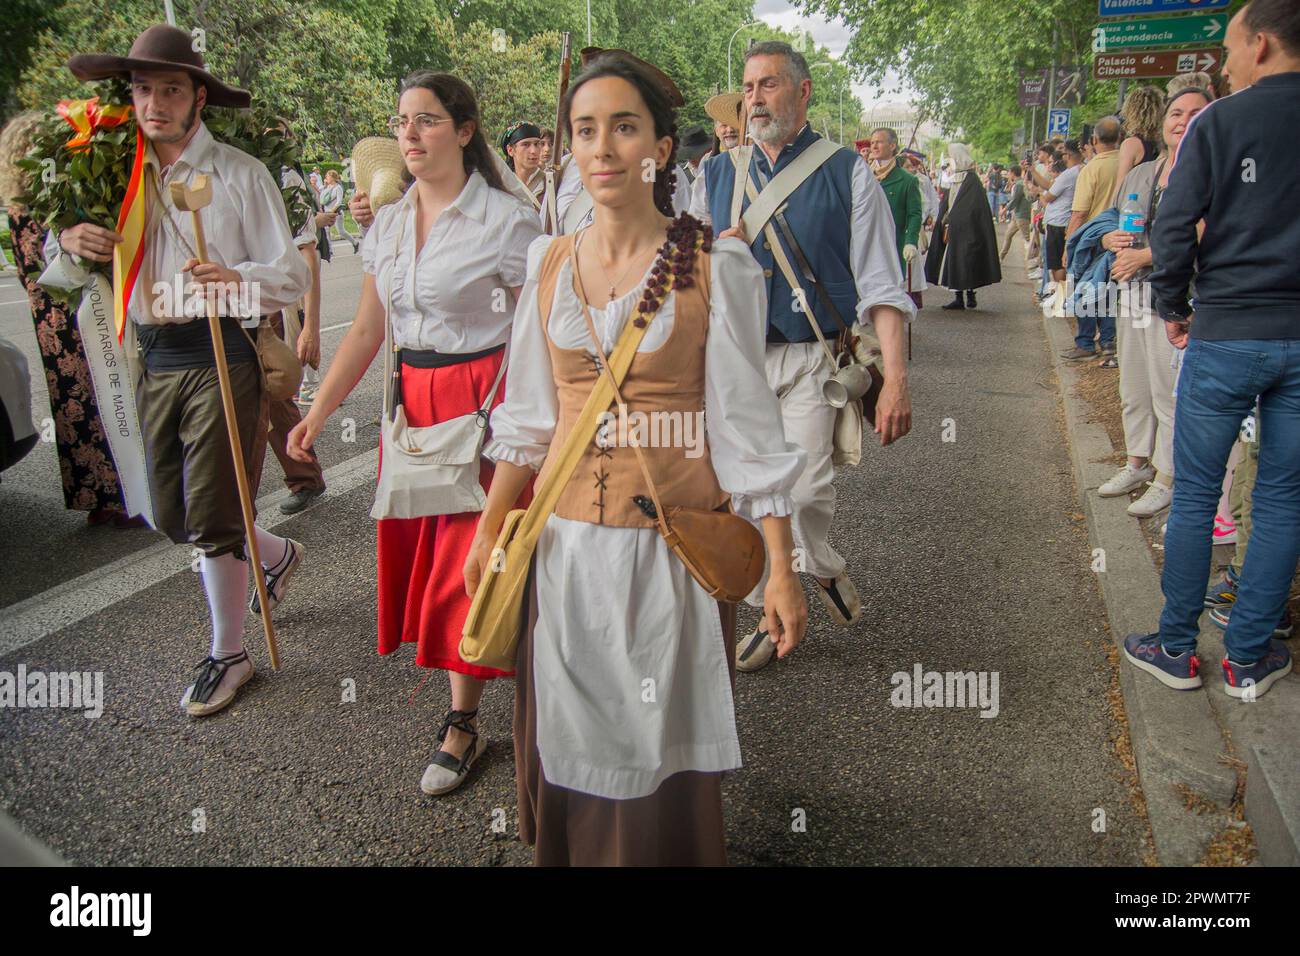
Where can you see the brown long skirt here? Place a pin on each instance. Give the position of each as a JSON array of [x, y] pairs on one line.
[[680, 824]]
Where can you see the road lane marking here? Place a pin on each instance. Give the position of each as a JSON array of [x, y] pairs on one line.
[[75, 600]]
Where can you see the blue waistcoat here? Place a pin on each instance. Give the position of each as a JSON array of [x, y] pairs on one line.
[[819, 213]]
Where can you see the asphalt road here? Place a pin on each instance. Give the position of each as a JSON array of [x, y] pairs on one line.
[[967, 554]]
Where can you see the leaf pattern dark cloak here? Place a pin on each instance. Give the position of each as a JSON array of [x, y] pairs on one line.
[[969, 260]]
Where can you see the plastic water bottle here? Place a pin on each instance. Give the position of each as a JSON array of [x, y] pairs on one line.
[[1133, 220]]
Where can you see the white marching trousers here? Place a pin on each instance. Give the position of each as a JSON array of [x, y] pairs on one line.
[[796, 373]]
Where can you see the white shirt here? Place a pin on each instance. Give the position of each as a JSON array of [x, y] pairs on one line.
[[307, 234], [929, 197], [331, 196], [873, 245], [1058, 210], [455, 295], [246, 228], [615, 606]]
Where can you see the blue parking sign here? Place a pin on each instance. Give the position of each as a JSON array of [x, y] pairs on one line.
[[1058, 122]]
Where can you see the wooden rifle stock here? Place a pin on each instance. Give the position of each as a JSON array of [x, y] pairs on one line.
[[552, 215]]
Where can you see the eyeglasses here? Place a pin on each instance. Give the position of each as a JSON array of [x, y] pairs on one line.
[[423, 122]]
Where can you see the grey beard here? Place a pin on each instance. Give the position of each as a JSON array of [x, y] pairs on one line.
[[775, 130]]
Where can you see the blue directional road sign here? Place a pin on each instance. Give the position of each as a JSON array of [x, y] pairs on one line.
[[1138, 8], [1058, 122]]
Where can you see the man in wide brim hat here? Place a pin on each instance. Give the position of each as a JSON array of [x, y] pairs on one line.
[[252, 268], [161, 47]]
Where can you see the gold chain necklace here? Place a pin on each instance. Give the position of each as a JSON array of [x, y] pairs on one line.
[[614, 285]]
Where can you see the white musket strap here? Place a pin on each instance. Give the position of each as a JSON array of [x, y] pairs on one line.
[[779, 188], [783, 261]]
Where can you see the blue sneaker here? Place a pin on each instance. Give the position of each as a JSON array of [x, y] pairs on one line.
[[1146, 652], [1285, 628], [1251, 681], [1223, 592]]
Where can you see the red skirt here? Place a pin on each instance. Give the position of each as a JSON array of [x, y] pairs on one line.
[[422, 596]]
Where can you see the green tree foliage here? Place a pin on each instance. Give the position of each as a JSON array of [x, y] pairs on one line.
[[332, 67], [964, 56]]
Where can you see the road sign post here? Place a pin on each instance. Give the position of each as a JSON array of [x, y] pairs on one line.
[[1058, 123]]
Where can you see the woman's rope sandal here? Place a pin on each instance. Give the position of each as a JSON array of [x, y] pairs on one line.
[[446, 772]]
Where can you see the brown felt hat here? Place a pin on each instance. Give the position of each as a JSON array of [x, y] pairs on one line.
[[161, 47], [674, 94]]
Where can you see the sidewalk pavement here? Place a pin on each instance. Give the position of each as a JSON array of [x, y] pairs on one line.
[[1189, 745]]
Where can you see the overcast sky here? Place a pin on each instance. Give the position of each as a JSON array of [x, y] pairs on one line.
[[835, 36]]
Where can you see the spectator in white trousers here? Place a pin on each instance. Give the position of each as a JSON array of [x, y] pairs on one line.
[[1147, 359]]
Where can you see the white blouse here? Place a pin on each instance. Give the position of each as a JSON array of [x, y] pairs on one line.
[[455, 295], [752, 460], [629, 667]]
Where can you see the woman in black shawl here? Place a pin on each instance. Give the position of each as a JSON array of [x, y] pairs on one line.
[[963, 252]]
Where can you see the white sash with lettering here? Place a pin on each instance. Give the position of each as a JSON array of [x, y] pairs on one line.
[[114, 383]]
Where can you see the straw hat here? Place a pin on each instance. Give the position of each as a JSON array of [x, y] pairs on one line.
[[725, 108], [379, 170], [161, 47]]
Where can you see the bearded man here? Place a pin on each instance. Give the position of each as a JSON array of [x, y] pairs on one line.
[[191, 471], [835, 222]]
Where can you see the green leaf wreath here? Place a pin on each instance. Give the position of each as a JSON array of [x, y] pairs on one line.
[[88, 184]]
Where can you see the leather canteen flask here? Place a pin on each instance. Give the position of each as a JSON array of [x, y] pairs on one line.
[[723, 552]]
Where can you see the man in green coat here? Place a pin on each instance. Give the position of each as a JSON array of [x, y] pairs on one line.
[[903, 192]]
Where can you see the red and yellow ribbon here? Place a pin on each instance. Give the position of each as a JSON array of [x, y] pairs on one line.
[[87, 116], [129, 253]]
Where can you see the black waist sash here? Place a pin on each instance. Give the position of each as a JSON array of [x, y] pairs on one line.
[[187, 345], [429, 358]]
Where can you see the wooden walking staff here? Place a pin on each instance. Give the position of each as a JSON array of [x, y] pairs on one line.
[[909, 324], [192, 197]]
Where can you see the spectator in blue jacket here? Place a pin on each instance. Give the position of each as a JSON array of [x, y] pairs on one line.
[[1237, 171]]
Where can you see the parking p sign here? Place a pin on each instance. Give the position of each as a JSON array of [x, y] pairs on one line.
[[1058, 122]]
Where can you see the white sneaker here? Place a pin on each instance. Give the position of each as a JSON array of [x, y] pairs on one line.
[[840, 600], [1156, 500], [277, 576], [1125, 480], [754, 651]]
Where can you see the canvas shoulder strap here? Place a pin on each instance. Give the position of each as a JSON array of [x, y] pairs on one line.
[[783, 262], [781, 186]]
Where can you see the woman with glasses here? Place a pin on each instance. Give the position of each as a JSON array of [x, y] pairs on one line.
[[445, 265]]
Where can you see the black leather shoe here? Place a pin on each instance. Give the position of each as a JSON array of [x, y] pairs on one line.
[[956, 303], [970, 299], [300, 500]]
